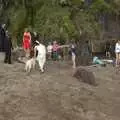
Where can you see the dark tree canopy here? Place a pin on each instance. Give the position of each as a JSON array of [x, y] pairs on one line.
[[58, 19]]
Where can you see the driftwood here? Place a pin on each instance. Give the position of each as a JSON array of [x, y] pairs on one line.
[[85, 75]]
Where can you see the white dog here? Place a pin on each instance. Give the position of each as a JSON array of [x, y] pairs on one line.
[[30, 64]]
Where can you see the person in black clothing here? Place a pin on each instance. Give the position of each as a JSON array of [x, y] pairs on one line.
[[107, 49], [8, 47], [35, 37], [2, 38], [72, 53], [112, 50]]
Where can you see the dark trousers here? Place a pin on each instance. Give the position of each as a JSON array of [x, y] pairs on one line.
[[7, 57]]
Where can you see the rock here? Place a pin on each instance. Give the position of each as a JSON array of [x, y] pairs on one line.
[[85, 75]]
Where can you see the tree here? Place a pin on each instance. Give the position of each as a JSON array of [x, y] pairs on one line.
[[57, 19]]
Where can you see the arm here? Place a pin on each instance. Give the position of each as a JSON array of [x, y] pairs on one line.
[[63, 46], [30, 37]]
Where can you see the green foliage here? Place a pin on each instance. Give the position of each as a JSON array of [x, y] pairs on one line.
[[49, 22], [57, 19], [115, 6], [77, 2], [87, 26], [100, 6]]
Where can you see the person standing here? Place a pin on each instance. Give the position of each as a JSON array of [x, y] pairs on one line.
[[55, 49], [2, 37], [8, 48], [107, 49], [5, 44], [117, 52], [35, 37], [73, 54], [27, 42], [112, 49], [49, 50]]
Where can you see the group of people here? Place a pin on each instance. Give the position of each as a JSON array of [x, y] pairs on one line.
[[54, 50], [113, 50]]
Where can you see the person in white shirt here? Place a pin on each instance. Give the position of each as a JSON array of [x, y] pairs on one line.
[[117, 52], [40, 49], [49, 50]]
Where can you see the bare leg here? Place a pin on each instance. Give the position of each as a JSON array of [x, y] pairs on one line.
[[73, 60], [117, 58], [106, 54], [109, 55]]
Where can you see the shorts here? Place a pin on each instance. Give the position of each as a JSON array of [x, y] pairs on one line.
[[55, 55], [118, 52]]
